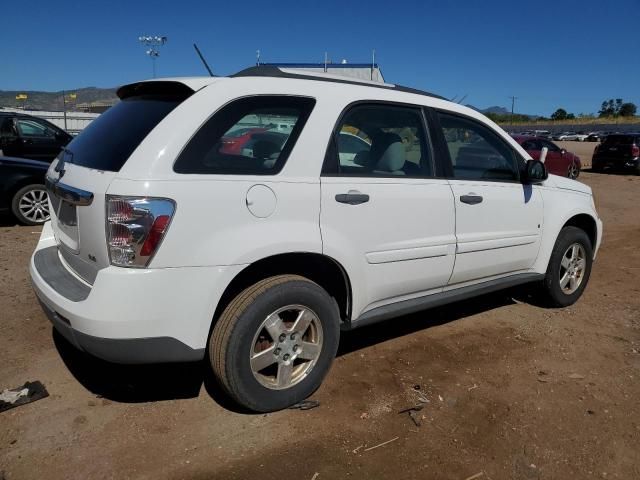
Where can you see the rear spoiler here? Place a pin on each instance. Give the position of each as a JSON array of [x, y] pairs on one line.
[[156, 88]]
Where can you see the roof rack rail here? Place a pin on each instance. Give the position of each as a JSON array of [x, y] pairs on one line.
[[273, 71]]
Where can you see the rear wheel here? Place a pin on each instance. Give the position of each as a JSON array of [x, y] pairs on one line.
[[30, 205], [569, 268], [275, 342]]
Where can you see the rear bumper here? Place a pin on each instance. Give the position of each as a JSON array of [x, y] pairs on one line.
[[621, 163], [130, 315]]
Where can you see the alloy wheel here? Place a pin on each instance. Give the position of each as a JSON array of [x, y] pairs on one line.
[[572, 268], [286, 347], [34, 205]]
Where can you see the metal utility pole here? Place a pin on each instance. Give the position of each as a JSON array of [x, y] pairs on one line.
[[373, 61], [325, 61], [64, 108], [154, 43], [257, 58], [513, 102]]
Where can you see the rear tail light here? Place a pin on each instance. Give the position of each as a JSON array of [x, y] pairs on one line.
[[136, 227], [635, 151]]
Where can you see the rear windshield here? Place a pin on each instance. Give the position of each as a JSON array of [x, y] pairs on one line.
[[110, 139], [620, 139]]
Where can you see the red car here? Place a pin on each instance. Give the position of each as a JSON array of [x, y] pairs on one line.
[[233, 142], [558, 161]]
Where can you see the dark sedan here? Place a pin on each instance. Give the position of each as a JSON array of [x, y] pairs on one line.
[[25, 136], [22, 190], [559, 161]]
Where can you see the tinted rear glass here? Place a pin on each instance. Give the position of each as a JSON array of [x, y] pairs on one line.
[[619, 139], [110, 139]]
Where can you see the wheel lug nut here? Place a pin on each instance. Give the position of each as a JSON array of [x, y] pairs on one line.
[[282, 337], [276, 352], [295, 348], [286, 357], [293, 336]]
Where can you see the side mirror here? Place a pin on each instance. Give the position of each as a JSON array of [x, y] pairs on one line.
[[534, 172]]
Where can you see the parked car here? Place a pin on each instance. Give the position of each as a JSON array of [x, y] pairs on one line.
[[173, 250], [558, 162], [233, 142], [25, 136], [22, 190], [619, 151], [595, 136], [542, 134]]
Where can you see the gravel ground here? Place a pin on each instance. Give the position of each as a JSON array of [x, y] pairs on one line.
[[514, 391]]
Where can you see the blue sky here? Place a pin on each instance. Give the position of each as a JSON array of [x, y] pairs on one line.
[[563, 53]]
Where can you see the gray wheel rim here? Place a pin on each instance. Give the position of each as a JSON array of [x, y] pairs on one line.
[[286, 347], [573, 171], [572, 268], [34, 205]]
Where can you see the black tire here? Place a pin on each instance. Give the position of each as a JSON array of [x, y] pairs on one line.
[[553, 294], [23, 193], [576, 172], [231, 341]]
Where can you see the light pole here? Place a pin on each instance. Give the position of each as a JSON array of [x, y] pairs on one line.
[[153, 42]]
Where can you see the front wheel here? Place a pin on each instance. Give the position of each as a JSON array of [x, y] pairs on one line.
[[569, 268], [275, 342]]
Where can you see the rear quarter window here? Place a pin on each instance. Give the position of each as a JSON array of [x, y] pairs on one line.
[[250, 136]]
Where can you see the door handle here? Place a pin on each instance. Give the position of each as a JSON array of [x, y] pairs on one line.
[[354, 197], [471, 199]]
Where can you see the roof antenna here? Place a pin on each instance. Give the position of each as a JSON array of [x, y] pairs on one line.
[[462, 99], [453, 99], [257, 58], [206, 65]]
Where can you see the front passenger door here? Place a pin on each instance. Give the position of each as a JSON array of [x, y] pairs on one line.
[[498, 219]]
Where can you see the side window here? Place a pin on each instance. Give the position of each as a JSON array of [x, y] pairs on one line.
[[531, 145], [551, 146], [31, 128], [249, 136], [476, 152], [382, 140]]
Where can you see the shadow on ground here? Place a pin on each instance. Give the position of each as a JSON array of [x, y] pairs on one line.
[[150, 383]]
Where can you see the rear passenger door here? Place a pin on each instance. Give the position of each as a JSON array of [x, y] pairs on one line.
[[498, 219], [384, 215]]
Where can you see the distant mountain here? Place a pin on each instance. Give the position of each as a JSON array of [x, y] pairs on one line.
[[53, 100], [500, 111]]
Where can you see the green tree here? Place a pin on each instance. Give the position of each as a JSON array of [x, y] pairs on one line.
[[627, 109], [559, 114]]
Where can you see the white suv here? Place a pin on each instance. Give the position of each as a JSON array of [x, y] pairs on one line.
[[187, 222]]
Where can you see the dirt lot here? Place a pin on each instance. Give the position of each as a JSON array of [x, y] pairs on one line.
[[515, 391]]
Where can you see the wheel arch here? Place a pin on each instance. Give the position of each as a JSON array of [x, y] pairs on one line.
[[319, 268], [585, 222]]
